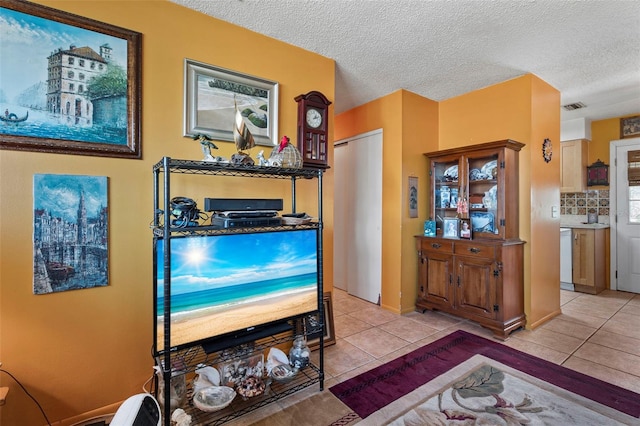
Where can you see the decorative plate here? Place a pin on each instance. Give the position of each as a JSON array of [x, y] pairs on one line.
[[476, 174], [451, 173], [488, 169], [482, 222], [547, 150]]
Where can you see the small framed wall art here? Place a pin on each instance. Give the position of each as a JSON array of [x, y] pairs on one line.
[[630, 127], [413, 196]]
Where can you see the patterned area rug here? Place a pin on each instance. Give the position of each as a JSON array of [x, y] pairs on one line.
[[446, 382]]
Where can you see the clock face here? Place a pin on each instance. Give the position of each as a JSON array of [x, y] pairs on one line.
[[314, 118]]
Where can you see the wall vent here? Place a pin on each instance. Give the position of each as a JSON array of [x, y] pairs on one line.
[[571, 107]]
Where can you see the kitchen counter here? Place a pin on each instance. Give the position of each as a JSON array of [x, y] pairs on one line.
[[585, 225], [579, 222]]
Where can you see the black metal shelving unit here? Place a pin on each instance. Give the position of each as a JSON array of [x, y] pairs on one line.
[[193, 357]]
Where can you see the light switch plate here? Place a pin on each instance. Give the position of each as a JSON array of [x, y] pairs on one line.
[[554, 211]]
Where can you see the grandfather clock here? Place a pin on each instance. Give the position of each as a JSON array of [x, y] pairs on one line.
[[313, 128]]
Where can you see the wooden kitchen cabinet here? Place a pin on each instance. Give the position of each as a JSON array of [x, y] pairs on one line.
[[574, 156], [481, 278], [589, 260]]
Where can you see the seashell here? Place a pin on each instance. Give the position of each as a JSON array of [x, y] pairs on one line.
[[213, 398], [276, 357], [210, 374]]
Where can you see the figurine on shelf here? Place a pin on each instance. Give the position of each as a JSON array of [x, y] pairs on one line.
[[261, 160], [462, 207], [285, 155], [243, 139], [207, 144]]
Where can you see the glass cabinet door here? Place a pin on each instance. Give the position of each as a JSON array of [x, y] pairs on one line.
[[485, 192], [446, 188]]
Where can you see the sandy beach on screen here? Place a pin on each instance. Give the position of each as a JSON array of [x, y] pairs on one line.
[[225, 320]]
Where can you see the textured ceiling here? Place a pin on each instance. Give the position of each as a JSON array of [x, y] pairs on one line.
[[588, 50]]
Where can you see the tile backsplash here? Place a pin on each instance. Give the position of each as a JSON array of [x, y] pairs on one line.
[[581, 203]]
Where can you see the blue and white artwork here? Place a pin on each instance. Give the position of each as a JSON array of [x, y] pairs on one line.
[[61, 81], [70, 224]]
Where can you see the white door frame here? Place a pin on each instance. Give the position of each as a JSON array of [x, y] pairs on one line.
[[613, 207]]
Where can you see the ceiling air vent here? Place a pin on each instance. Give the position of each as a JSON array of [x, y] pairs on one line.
[[571, 107]]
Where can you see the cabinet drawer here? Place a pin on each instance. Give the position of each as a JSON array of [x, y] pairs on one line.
[[430, 244], [475, 250]]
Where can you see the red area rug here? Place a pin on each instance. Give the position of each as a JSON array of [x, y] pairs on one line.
[[375, 389]]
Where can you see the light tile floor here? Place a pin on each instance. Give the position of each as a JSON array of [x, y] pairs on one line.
[[595, 335]]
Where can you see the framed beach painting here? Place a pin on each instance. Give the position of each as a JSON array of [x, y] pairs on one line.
[[70, 85], [213, 94], [70, 232]]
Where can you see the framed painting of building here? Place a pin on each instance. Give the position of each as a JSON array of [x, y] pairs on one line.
[[69, 84], [70, 218]]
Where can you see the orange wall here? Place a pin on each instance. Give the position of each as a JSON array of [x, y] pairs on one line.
[[544, 302], [409, 123], [77, 351], [602, 133], [524, 109], [419, 134]]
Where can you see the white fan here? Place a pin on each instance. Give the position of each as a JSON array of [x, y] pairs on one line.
[[139, 410]]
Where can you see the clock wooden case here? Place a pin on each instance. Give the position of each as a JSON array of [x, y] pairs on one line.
[[313, 128]]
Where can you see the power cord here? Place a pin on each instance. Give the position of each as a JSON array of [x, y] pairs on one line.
[[28, 394]]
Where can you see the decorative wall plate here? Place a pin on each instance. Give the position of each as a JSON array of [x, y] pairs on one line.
[[489, 167], [451, 173], [482, 222], [547, 150]]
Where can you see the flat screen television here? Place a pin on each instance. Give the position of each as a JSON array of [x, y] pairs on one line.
[[225, 286]]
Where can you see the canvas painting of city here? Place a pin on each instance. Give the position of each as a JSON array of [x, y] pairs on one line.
[[70, 219], [64, 86]]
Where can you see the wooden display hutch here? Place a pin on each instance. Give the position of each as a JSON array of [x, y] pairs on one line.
[[189, 357], [481, 278]]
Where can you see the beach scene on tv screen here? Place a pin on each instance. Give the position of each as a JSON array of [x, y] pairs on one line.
[[225, 283]]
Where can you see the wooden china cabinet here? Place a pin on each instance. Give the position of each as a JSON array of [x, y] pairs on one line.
[[479, 278]]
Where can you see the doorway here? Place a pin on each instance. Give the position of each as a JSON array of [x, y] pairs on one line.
[[625, 219], [357, 237]]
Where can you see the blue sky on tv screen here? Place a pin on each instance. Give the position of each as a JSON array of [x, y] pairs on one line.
[[209, 262]]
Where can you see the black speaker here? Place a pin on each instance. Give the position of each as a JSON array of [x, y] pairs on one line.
[[239, 204]]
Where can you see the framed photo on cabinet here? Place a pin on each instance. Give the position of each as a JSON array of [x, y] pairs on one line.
[[465, 229], [450, 227]]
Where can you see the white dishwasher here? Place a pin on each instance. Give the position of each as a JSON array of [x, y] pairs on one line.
[[566, 275]]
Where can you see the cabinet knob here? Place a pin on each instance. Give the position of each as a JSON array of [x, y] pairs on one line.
[[436, 245], [474, 250]]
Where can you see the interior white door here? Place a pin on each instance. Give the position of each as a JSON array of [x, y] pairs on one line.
[[626, 225], [358, 249]]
